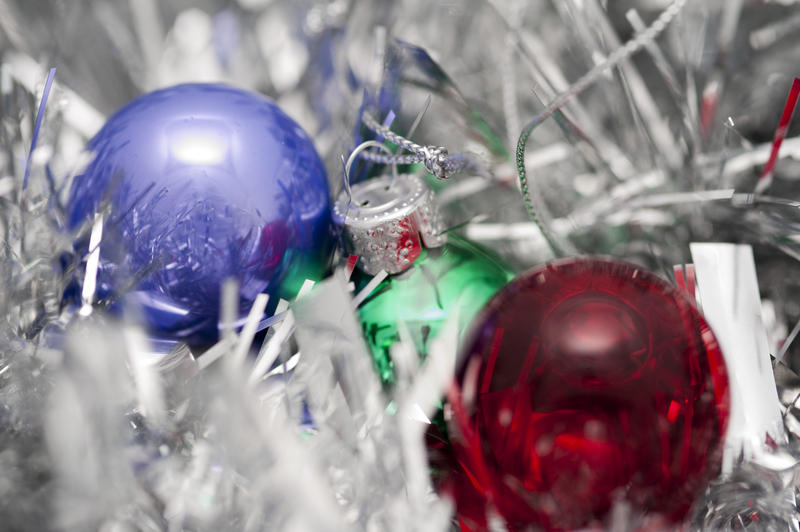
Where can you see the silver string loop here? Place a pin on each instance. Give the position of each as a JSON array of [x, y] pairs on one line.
[[435, 158]]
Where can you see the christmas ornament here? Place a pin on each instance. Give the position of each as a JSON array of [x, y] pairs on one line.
[[202, 182], [392, 224], [587, 382]]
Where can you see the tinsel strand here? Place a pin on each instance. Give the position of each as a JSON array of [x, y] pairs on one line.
[[620, 54]]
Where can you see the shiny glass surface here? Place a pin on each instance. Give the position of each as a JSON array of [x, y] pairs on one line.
[[586, 382], [458, 277], [202, 182]]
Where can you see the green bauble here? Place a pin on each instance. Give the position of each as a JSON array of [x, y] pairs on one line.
[[459, 275]]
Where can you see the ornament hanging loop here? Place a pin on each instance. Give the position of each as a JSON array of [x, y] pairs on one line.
[[435, 160], [355, 153]]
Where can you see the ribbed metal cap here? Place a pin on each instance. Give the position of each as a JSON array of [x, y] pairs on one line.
[[385, 225]]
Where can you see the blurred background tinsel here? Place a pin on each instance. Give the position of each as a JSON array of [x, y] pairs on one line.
[[663, 149]]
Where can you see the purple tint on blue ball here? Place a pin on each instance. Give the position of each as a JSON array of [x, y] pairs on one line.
[[204, 182]]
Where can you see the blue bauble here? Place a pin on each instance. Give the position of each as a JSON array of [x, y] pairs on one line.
[[203, 182]]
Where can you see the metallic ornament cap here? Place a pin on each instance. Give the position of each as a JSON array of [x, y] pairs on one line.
[[386, 223]]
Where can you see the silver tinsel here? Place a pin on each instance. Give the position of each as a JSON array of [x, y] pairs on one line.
[[100, 430]]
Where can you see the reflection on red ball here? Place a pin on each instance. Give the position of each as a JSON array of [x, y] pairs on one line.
[[583, 383]]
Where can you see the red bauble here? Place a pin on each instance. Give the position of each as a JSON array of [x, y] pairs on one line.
[[583, 383]]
